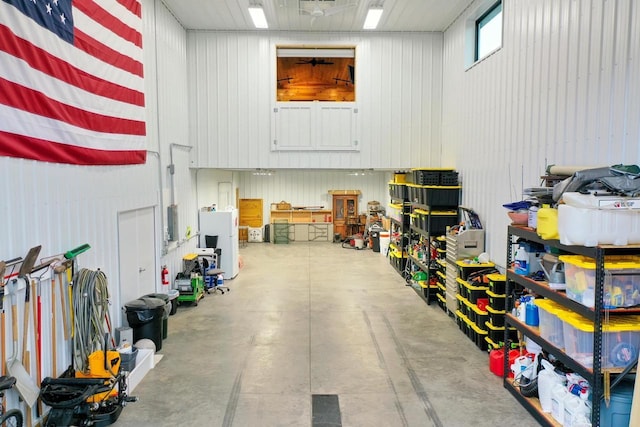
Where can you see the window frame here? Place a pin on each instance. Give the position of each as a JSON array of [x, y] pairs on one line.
[[480, 22]]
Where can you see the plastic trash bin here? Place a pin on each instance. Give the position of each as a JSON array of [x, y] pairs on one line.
[[145, 318], [173, 297], [167, 310], [375, 239]]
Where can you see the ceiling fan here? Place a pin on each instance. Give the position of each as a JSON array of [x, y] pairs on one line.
[[315, 61], [320, 8]]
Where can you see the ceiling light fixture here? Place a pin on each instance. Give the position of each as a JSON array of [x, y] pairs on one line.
[[373, 17], [258, 17], [264, 172]]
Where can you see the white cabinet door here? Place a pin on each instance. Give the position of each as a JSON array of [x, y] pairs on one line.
[[315, 126]]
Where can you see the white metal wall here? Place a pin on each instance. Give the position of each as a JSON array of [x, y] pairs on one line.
[[311, 188], [232, 87], [564, 89], [168, 63]]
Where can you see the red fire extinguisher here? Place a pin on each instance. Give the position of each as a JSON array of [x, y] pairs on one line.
[[165, 276]]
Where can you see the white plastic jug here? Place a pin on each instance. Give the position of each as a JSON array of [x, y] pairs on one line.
[[521, 264], [558, 395], [575, 409], [547, 379]]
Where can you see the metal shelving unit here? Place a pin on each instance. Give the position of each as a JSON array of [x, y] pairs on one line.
[[428, 233], [402, 228], [595, 374]]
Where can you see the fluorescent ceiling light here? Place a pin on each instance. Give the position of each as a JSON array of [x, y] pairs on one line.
[[373, 17], [257, 15]]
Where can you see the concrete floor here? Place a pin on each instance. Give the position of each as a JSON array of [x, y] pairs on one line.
[[310, 319]]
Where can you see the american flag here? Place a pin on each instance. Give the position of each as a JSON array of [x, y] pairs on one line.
[[71, 81]]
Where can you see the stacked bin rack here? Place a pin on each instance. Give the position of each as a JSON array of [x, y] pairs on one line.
[[434, 196], [472, 316], [399, 226], [596, 315], [441, 272], [496, 309]]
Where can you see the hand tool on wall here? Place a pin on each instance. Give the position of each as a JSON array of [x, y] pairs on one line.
[[25, 325], [36, 309], [71, 256], [11, 263], [26, 386], [61, 272], [3, 268], [54, 354], [37, 338], [26, 360]]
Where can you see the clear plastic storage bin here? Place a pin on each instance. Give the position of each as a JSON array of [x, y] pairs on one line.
[[620, 340], [622, 280], [551, 328]]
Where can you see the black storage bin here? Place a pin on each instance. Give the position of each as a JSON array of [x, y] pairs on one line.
[[423, 177], [438, 197], [496, 302], [449, 178], [167, 311], [438, 221], [145, 318]]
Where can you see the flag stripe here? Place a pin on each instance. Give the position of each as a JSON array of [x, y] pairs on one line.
[[34, 126], [116, 9], [94, 30], [26, 99], [108, 21], [47, 151], [19, 72], [98, 50], [43, 61], [133, 6]]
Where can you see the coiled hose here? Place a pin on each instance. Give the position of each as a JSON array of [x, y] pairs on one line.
[[91, 314]]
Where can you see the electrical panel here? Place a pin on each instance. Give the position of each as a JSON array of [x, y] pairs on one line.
[[172, 223]]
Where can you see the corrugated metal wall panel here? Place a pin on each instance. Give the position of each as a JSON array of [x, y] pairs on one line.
[[63, 206], [233, 100], [559, 91], [172, 120]]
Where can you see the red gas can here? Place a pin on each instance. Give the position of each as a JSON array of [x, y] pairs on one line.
[[496, 361]]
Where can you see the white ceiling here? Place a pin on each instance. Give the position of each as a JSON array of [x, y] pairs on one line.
[[284, 15]]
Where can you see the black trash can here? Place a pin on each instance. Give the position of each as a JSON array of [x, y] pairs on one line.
[[173, 297], [166, 299], [145, 318], [375, 239]]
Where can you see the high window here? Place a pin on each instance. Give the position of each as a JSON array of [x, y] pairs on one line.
[[488, 31]]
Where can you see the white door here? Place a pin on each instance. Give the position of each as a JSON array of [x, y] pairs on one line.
[[136, 249]]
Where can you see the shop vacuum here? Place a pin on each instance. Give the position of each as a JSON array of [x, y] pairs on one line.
[[93, 398]]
